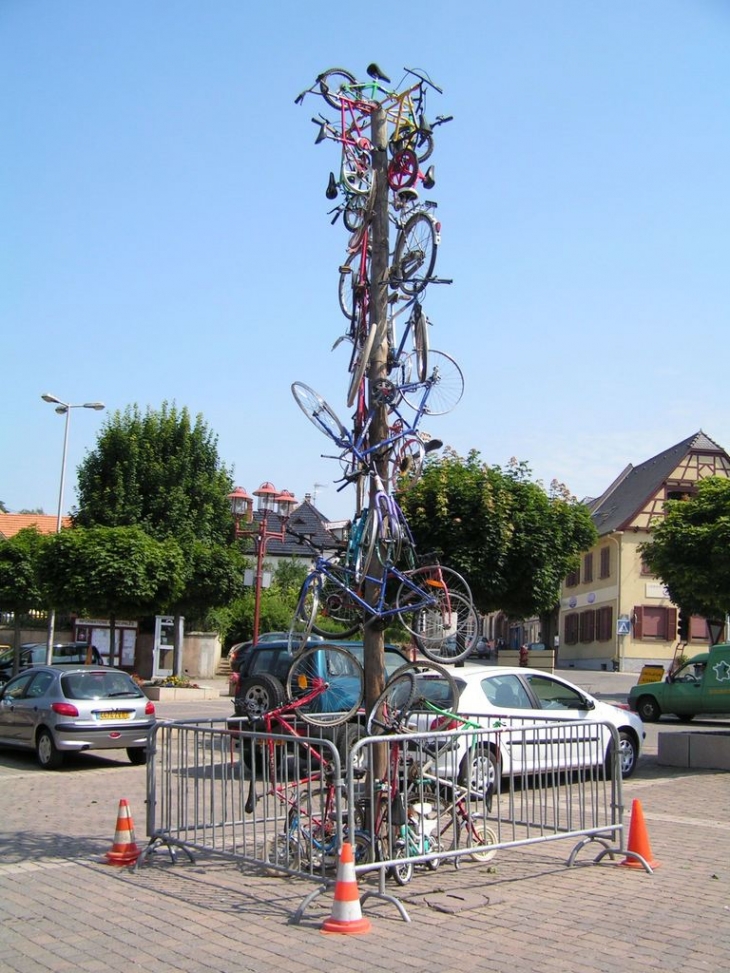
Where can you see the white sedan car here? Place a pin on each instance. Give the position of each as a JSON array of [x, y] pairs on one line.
[[525, 707]]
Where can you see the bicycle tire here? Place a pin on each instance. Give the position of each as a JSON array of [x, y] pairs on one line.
[[341, 678], [338, 616], [304, 615], [446, 388], [390, 709], [356, 171], [402, 170], [420, 343], [446, 631], [415, 253], [359, 209], [422, 144], [485, 836], [433, 683], [331, 81], [406, 464], [361, 360], [454, 581], [352, 283], [319, 413]]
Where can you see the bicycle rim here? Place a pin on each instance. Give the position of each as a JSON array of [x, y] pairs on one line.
[[331, 83], [420, 344], [319, 413], [339, 679], [362, 359], [415, 253], [406, 465], [390, 710], [445, 384], [306, 611], [447, 630], [338, 615], [433, 685]]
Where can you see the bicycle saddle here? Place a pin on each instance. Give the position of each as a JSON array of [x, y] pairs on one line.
[[375, 72]]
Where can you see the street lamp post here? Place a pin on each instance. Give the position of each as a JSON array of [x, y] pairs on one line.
[[62, 408], [242, 509]]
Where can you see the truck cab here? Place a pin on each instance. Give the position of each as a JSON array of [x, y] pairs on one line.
[[699, 687]]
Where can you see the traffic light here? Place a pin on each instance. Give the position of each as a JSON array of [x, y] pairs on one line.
[[683, 625]]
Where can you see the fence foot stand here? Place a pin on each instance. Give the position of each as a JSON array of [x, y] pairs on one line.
[[297, 917], [386, 897], [173, 845], [607, 850]]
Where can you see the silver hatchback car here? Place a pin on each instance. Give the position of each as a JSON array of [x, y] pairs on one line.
[[53, 710]]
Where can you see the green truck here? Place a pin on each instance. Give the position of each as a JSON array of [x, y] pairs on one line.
[[699, 687]]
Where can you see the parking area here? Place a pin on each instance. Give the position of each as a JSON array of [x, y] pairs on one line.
[[62, 908]]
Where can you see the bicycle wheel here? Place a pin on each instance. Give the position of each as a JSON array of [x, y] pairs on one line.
[[331, 82], [434, 687], [350, 284], [435, 576], [319, 413], [446, 631], [304, 615], [390, 710], [402, 170], [420, 343], [357, 170], [360, 362], [359, 209], [422, 144], [334, 680], [415, 253], [339, 615], [476, 832], [406, 464], [441, 391]]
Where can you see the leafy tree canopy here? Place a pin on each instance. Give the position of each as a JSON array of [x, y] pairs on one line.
[[20, 580], [513, 541], [114, 571], [690, 549], [160, 471]]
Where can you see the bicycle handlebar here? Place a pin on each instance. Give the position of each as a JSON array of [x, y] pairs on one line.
[[422, 76]]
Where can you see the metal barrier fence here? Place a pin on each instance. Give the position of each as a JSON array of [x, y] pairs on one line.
[[412, 800], [466, 794]]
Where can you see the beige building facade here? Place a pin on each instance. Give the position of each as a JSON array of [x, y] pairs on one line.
[[613, 612]]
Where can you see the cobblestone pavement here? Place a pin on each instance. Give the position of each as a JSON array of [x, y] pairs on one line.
[[63, 909]]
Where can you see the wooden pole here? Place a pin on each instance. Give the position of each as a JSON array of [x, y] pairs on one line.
[[373, 637]]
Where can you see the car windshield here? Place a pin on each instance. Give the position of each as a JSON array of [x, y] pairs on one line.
[[6, 655], [98, 685]]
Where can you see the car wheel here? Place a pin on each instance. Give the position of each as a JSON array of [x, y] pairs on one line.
[[648, 709], [49, 756], [628, 753], [259, 694], [479, 771], [137, 755]]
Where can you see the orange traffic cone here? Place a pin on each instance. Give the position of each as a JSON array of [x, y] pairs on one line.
[[125, 850], [346, 914], [639, 839]]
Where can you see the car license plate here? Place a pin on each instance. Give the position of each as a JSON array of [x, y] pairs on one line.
[[116, 714]]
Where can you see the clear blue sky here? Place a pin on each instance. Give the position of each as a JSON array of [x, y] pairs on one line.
[[164, 231]]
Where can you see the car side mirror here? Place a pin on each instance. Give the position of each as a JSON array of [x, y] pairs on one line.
[[588, 704]]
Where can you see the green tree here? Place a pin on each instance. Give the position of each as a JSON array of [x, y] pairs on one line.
[[512, 540], [690, 550], [20, 579], [160, 470], [112, 571]]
